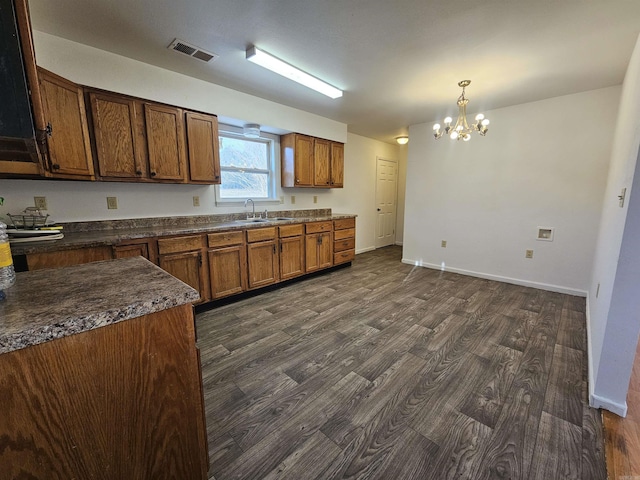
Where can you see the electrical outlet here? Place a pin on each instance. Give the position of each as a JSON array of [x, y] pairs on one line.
[[528, 254], [443, 244], [196, 201], [112, 203], [281, 198], [315, 199], [40, 202], [293, 199]]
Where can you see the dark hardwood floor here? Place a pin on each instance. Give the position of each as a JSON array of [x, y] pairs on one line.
[[386, 371]]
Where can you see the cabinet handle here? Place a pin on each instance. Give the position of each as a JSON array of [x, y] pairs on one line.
[[217, 177], [280, 248], [138, 172], [320, 240], [297, 180], [55, 166], [153, 174], [200, 259], [274, 249]]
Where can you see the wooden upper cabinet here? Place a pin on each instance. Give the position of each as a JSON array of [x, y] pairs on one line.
[[203, 148], [165, 141], [321, 162], [311, 162], [337, 165], [68, 144], [297, 160], [114, 126]]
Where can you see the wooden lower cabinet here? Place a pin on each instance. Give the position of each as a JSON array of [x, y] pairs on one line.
[[65, 258], [227, 271], [344, 240], [137, 248], [318, 251], [262, 261], [291, 250], [182, 257], [120, 401]]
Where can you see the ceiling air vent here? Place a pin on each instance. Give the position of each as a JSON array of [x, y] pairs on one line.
[[191, 50]]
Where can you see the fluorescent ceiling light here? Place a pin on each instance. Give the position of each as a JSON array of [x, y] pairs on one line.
[[276, 65]]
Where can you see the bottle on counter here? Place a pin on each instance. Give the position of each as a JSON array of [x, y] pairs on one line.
[[7, 273]]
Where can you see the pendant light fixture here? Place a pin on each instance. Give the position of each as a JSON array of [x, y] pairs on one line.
[[461, 130]]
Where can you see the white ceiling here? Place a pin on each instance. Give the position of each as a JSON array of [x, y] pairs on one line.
[[399, 62]]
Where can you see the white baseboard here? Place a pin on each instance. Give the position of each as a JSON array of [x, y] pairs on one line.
[[366, 249], [499, 278], [398, 243], [597, 401]]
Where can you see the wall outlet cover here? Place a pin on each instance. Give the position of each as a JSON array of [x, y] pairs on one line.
[[529, 254], [40, 203], [293, 199], [112, 203], [443, 244], [196, 201]]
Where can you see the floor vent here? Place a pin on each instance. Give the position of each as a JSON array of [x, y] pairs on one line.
[[191, 50]]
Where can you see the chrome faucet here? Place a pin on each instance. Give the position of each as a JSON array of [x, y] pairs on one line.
[[253, 207]]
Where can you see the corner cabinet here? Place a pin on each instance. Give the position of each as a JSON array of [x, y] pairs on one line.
[[311, 162]]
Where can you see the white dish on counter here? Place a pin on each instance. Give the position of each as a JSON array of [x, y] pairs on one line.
[[19, 232], [40, 238]]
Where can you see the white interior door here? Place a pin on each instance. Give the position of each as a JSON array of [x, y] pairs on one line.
[[386, 193]]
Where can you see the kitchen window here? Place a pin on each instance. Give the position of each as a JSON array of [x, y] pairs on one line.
[[247, 166]]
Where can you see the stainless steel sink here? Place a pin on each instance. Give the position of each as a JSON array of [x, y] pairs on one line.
[[281, 218], [252, 220]]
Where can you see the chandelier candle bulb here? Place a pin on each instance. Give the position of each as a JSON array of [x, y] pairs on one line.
[[462, 130]]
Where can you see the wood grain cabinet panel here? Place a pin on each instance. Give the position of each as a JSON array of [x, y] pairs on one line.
[[337, 165], [188, 267], [321, 162], [118, 151], [291, 257], [318, 251], [344, 240], [119, 402], [296, 160], [227, 271], [146, 248], [262, 259], [68, 144], [165, 142], [311, 162], [203, 148], [65, 258]]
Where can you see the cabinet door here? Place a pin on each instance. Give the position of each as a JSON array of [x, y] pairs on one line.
[[188, 268], [262, 261], [227, 271], [312, 262], [337, 165], [165, 142], [68, 143], [114, 120], [203, 148], [135, 250], [291, 257], [321, 163], [303, 161], [325, 250]]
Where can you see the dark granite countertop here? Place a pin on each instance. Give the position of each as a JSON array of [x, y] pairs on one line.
[[105, 233], [47, 304]]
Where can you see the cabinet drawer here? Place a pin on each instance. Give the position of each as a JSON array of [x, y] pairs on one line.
[[318, 227], [342, 257], [225, 239], [344, 223], [342, 234], [346, 244], [291, 230], [261, 234], [179, 244]]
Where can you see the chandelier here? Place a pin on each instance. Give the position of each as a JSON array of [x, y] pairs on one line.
[[461, 130]]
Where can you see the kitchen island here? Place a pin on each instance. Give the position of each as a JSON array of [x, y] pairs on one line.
[[99, 375]]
